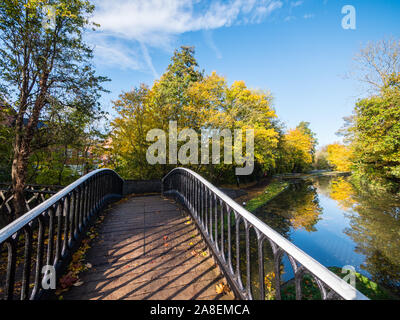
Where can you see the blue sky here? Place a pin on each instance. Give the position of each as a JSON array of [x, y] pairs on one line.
[[296, 49]]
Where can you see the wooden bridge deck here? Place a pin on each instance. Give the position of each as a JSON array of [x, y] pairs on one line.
[[147, 249]]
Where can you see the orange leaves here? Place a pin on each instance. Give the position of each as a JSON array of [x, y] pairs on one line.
[[166, 244], [194, 253], [222, 288]]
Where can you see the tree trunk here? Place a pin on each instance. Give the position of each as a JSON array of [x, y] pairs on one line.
[[18, 174], [22, 148]]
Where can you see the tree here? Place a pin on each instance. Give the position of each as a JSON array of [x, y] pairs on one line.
[[305, 128], [374, 128], [63, 147], [216, 106], [195, 101], [321, 159], [143, 109], [41, 67], [169, 93], [376, 63], [297, 149], [339, 157], [128, 135], [6, 133]]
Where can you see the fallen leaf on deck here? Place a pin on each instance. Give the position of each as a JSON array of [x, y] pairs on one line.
[[221, 288], [78, 284], [68, 280]]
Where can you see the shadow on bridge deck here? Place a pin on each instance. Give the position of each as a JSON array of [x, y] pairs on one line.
[[145, 250]]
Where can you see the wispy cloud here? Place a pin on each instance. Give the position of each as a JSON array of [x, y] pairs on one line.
[[308, 16], [289, 18], [148, 60], [296, 4], [208, 37], [157, 23], [114, 52]]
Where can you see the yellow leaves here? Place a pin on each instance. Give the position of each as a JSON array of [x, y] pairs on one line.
[[269, 281], [306, 214], [205, 104], [342, 192], [204, 254], [339, 156], [298, 148]]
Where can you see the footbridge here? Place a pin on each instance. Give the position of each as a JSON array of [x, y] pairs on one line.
[[190, 242]]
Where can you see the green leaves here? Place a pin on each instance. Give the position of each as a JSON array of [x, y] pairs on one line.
[[376, 130]]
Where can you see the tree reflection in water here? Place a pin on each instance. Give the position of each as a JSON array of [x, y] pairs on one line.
[[375, 227], [371, 224], [297, 208]]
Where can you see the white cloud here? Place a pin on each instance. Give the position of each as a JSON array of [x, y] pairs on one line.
[[296, 4], [114, 53], [153, 21], [156, 23], [289, 18], [147, 58], [308, 16], [208, 38]]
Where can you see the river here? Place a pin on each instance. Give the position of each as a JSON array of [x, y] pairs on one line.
[[339, 225]]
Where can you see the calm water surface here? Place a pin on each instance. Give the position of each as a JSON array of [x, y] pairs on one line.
[[339, 225]]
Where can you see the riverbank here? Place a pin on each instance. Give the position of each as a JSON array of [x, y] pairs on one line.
[[254, 195], [312, 174], [273, 189]]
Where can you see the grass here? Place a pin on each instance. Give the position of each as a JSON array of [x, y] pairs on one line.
[[367, 287], [311, 292], [271, 191]]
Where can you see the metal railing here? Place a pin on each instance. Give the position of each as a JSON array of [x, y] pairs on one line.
[[49, 233], [220, 218], [34, 195]]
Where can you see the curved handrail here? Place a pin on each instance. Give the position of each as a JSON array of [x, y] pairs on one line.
[[32, 214], [52, 230], [342, 288]]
